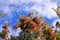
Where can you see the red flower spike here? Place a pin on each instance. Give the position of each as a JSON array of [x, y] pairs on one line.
[[26, 21], [35, 18], [22, 19], [58, 14], [35, 29], [50, 31], [54, 35], [4, 27], [42, 25], [57, 23], [5, 37], [38, 22], [33, 24], [16, 26]]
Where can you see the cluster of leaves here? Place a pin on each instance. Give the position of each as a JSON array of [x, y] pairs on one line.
[[4, 33], [57, 10]]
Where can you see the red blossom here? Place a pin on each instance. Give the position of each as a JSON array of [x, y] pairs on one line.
[[57, 23], [33, 24], [50, 32], [4, 27], [35, 18], [5, 37], [42, 25], [16, 26], [58, 14], [54, 36], [35, 29], [26, 20]]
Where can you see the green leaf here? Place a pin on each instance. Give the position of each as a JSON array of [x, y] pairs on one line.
[[37, 13], [47, 26]]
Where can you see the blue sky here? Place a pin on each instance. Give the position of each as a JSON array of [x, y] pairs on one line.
[[12, 8]]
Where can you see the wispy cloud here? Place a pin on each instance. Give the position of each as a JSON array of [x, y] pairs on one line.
[[42, 6]]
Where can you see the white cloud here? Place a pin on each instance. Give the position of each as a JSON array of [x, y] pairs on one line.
[[47, 10], [42, 6]]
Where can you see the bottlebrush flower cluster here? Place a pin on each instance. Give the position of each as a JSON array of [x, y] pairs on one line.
[[4, 33], [32, 28]]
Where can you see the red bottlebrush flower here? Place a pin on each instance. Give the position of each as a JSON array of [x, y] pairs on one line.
[[33, 24], [35, 18], [44, 38], [51, 29], [4, 27], [42, 25], [38, 22], [35, 29], [22, 19], [5, 37], [57, 23], [16, 26], [58, 14], [54, 36], [26, 21], [50, 32], [30, 15]]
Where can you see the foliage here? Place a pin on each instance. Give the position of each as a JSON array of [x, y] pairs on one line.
[[32, 28]]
